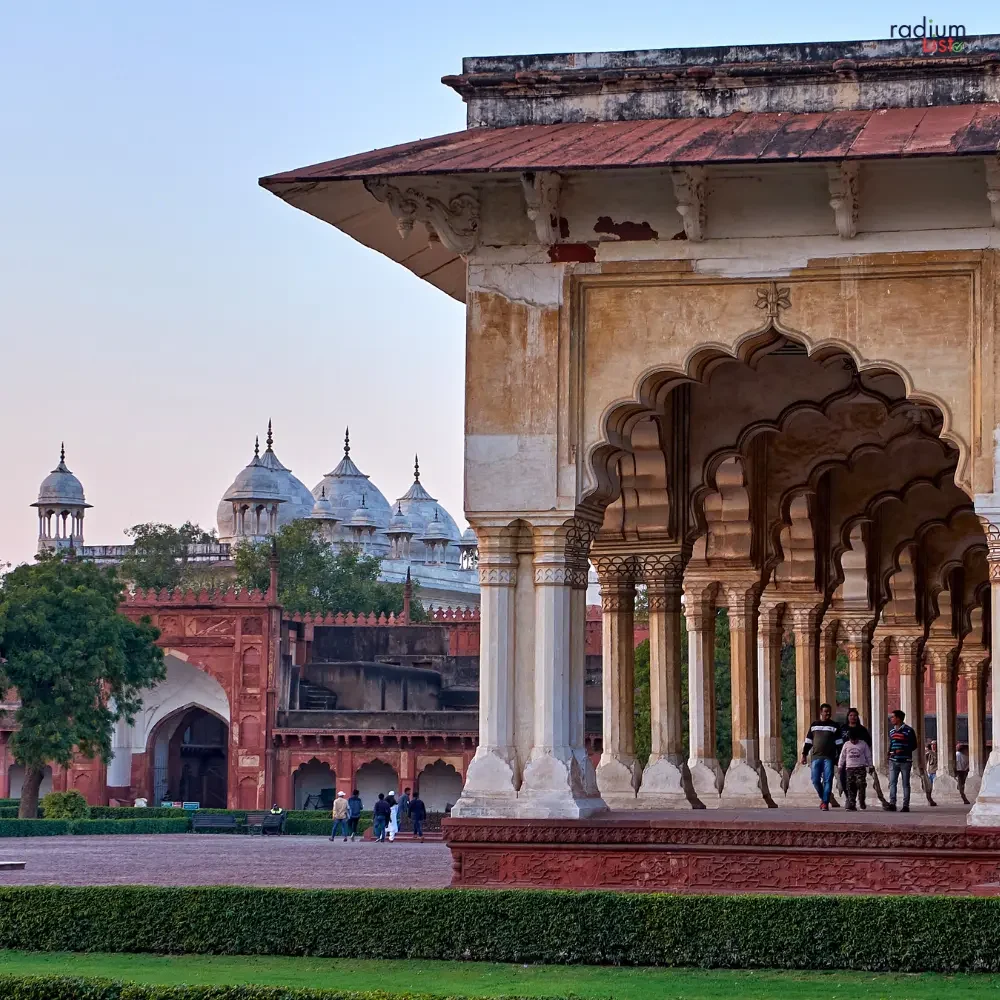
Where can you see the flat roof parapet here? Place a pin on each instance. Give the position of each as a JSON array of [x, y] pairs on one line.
[[716, 81]]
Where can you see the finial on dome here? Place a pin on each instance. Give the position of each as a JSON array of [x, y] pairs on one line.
[[62, 452], [270, 436], [363, 495], [399, 507], [347, 441], [256, 447], [416, 468], [322, 493]]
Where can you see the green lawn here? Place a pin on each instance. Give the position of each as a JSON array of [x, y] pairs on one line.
[[481, 979]]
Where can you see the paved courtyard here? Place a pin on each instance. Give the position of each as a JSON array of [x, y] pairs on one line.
[[299, 862]]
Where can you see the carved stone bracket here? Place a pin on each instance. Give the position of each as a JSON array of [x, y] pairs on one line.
[[993, 188], [454, 223], [689, 190], [843, 182], [541, 195]]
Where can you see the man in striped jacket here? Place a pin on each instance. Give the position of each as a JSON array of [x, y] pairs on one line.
[[823, 743]]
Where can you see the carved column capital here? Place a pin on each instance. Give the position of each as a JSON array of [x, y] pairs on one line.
[[742, 601], [908, 649], [771, 615], [857, 628], [805, 617], [662, 571], [497, 558], [699, 604]]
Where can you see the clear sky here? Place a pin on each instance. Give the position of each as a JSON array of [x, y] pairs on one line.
[[157, 306]]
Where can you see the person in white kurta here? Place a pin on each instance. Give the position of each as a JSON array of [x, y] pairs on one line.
[[393, 815]]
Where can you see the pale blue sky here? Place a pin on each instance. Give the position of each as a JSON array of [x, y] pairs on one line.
[[156, 306]]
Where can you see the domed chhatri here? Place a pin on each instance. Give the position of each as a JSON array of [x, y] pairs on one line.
[[421, 509], [60, 504], [295, 499]]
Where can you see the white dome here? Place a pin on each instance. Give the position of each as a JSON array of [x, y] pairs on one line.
[[254, 482], [345, 487], [60, 487], [323, 509], [362, 517], [399, 525], [296, 500], [422, 510]]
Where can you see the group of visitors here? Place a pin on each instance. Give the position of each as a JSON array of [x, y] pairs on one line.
[[961, 763], [390, 815], [847, 748]]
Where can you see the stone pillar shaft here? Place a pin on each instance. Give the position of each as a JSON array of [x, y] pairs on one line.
[[941, 651], [769, 637], [986, 811], [828, 667], [699, 611], [492, 779], [743, 787], [878, 724], [858, 646]]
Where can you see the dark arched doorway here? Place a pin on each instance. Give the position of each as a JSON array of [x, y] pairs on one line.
[[190, 759]]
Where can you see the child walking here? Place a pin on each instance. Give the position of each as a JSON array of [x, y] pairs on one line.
[[856, 758]]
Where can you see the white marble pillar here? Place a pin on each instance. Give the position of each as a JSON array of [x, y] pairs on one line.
[[703, 762], [857, 633], [975, 692], [941, 651], [552, 786], [578, 676], [618, 770], [769, 636], [878, 725], [829, 650], [492, 779], [662, 784], [806, 620], [743, 787]]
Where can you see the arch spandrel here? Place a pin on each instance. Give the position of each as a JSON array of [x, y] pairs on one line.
[[881, 315]]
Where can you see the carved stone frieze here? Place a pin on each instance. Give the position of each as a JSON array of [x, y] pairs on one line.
[[689, 190], [541, 196], [454, 222], [497, 576], [843, 184]]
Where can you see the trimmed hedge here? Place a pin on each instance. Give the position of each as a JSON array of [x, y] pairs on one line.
[[875, 933], [130, 812], [72, 988], [10, 802], [35, 827], [90, 827], [8, 812]]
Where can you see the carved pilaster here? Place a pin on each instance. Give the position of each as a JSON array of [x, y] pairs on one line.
[[689, 190], [541, 196], [843, 183]]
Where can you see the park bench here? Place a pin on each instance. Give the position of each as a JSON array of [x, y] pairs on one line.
[[255, 822], [273, 824], [201, 821]]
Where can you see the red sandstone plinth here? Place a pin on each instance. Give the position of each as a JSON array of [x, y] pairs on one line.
[[929, 852]]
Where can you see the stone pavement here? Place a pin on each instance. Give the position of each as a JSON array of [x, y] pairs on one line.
[[217, 859]]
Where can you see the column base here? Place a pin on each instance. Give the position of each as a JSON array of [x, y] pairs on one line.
[[584, 773], [945, 791], [551, 788], [774, 781], [617, 778], [662, 786], [742, 788], [972, 785], [800, 791], [986, 809], [490, 786], [706, 777]]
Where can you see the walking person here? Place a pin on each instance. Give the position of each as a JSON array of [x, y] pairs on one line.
[[902, 743], [340, 816], [404, 807], [822, 748], [930, 762], [354, 807], [962, 768], [855, 759], [393, 815], [418, 813], [381, 814]]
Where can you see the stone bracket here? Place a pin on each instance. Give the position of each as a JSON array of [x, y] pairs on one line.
[[689, 190], [454, 223], [843, 182], [541, 196]]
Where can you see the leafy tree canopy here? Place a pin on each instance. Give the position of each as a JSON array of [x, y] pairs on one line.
[[159, 555], [312, 577], [76, 663]]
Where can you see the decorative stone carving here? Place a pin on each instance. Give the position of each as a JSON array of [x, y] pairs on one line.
[[773, 299], [843, 181], [541, 195], [689, 190], [455, 223]]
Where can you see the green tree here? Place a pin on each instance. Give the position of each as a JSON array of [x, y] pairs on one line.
[[312, 577], [159, 555], [76, 664]]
